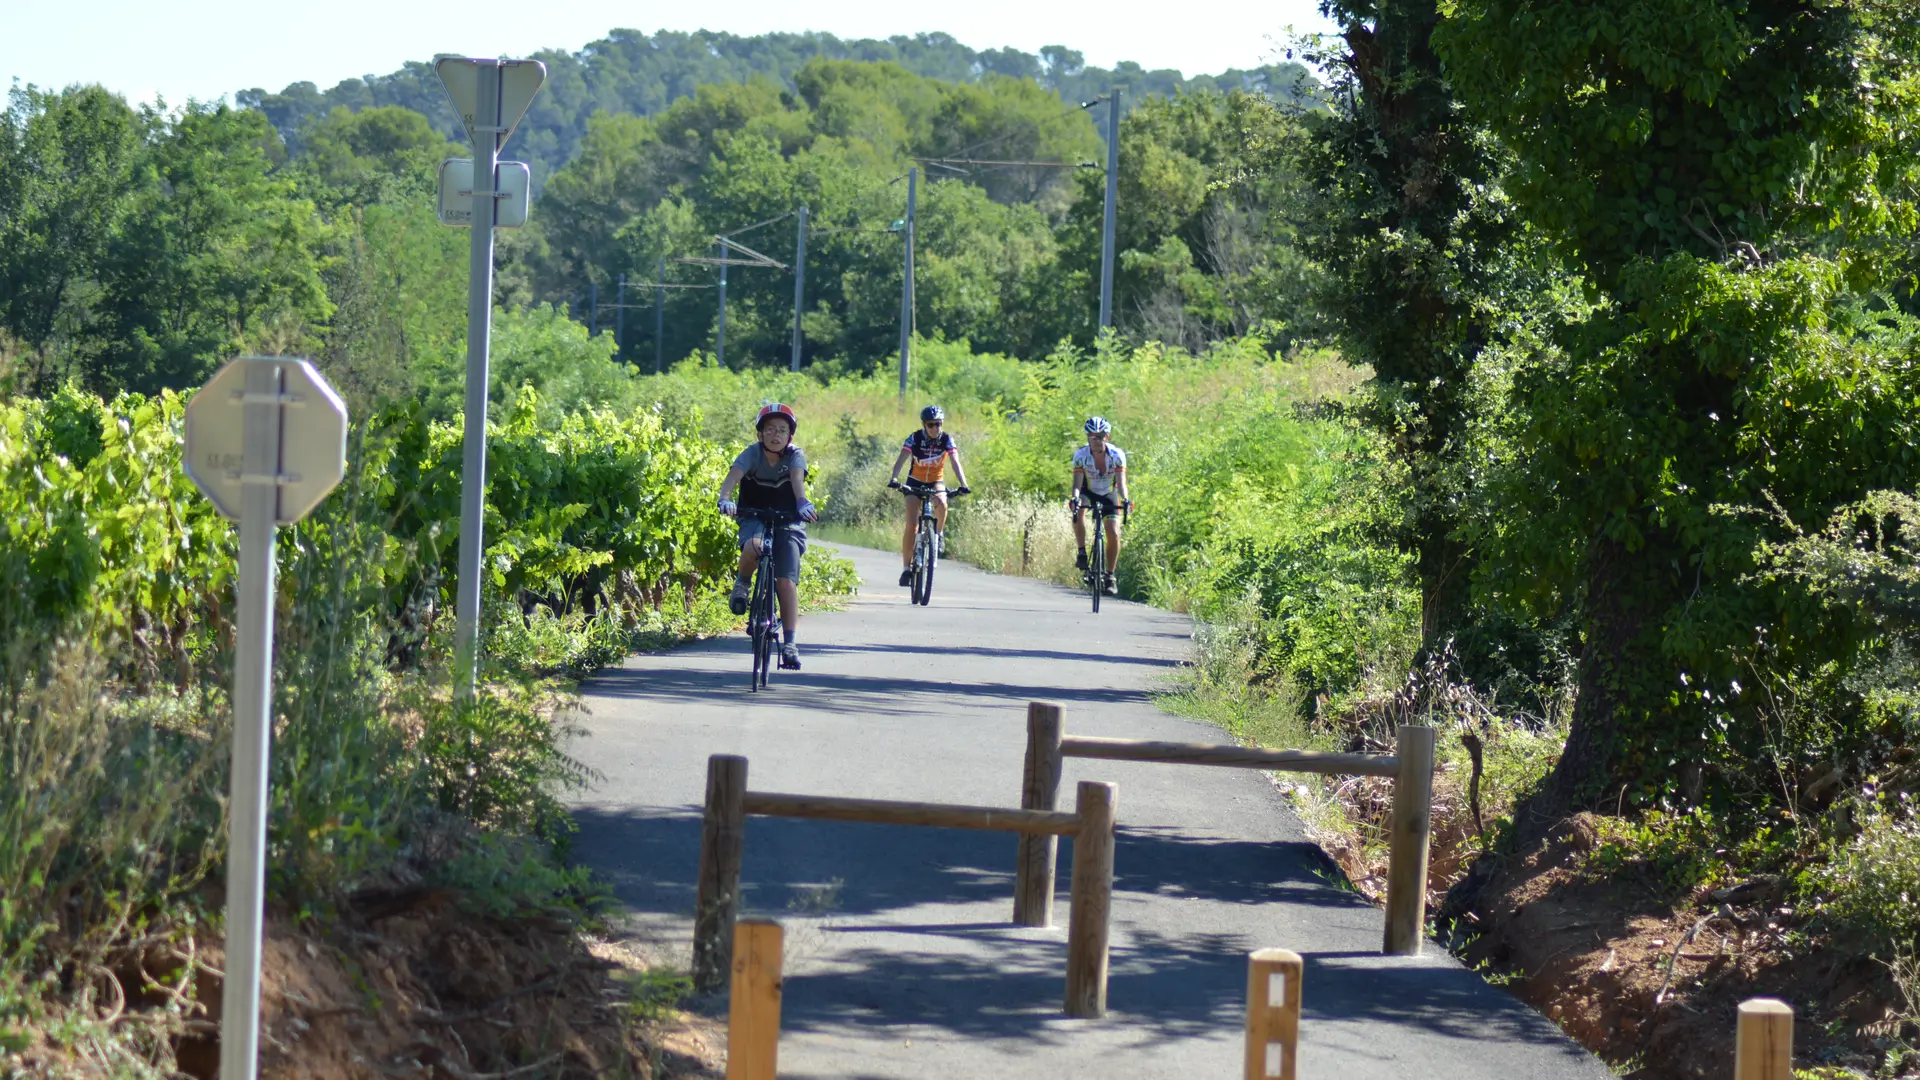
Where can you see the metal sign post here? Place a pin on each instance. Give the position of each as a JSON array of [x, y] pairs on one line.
[[1111, 207], [491, 96], [287, 450]]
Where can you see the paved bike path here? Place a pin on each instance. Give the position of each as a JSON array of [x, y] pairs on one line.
[[900, 959]]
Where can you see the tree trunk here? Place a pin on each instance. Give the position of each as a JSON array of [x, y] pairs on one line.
[[1445, 576], [1610, 623]]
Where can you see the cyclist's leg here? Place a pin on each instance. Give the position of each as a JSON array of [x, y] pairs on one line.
[[786, 569], [1080, 527], [912, 531], [786, 577], [751, 532], [1113, 543], [940, 509]]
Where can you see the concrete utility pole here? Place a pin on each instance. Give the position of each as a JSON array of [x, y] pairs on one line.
[[720, 338], [799, 286], [906, 285], [593, 308], [659, 315], [473, 457], [620, 317], [1113, 198]]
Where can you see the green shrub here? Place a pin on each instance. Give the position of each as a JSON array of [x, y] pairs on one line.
[[1870, 884]]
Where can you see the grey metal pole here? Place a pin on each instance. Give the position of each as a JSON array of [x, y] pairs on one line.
[[659, 315], [720, 339], [473, 465], [252, 699], [799, 286], [593, 308], [1113, 198], [906, 287], [620, 317]]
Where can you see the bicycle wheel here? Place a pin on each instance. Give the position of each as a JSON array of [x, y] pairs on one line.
[[760, 625], [927, 558], [1097, 564]]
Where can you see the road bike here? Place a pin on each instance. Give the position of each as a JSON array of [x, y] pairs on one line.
[[1097, 576], [763, 623], [926, 550]]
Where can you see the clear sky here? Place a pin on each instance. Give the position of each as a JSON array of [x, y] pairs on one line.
[[209, 48]]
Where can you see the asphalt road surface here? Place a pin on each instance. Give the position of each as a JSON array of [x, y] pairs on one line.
[[901, 961]]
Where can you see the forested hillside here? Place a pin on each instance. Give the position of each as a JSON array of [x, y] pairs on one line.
[[633, 72]]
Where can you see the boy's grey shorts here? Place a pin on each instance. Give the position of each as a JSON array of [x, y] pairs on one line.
[[786, 561]]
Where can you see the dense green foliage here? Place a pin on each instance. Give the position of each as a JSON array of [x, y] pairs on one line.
[[1421, 250], [629, 72], [1006, 257], [1729, 178], [136, 247]]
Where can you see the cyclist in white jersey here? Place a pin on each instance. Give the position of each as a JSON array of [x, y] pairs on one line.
[[1099, 474]]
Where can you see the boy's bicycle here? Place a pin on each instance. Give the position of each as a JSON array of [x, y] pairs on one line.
[[763, 623], [926, 554], [1097, 575]]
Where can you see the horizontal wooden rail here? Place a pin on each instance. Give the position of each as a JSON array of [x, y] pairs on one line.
[[1410, 768], [887, 812], [1242, 757], [723, 831]]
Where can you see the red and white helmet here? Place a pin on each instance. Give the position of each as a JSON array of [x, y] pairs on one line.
[[774, 408]]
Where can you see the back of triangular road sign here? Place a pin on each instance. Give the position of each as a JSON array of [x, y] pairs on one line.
[[519, 81]]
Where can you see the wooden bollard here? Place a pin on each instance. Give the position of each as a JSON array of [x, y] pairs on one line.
[[1763, 1048], [753, 1013], [1273, 1014], [722, 835], [1037, 855], [1411, 821], [1090, 909]]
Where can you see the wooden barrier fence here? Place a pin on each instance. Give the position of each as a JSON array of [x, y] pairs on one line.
[[723, 836], [753, 1008], [1273, 1014], [1411, 819]]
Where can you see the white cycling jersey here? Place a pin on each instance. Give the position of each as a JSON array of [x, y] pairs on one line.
[[1100, 481]]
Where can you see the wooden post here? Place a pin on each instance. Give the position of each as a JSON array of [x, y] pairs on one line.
[[1090, 908], [1036, 856], [1764, 1041], [1273, 1014], [1410, 824], [721, 837], [753, 1013]]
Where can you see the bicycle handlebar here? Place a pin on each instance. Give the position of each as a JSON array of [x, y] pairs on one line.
[[769, 516], [921, 490]]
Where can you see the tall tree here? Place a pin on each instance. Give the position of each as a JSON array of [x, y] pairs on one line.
[[68, 165], [1410, 225], [1725, 173]]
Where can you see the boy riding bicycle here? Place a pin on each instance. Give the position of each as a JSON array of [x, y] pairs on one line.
[[928, 449], [771, 475], [1099, 475]]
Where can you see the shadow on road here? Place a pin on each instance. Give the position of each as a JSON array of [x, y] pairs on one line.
[[842, 879], [1003, 654], [856, 695]]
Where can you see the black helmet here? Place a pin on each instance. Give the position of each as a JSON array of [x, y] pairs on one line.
[[931, 413]]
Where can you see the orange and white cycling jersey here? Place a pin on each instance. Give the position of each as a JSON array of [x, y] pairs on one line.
[[929, 456]]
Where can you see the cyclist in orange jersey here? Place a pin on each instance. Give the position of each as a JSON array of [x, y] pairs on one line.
[[928, 449]]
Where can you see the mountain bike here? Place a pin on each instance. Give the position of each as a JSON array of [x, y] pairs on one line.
[[1097, 575], [926, 551], [763, 623]]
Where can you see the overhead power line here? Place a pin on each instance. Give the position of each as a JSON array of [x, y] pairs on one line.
[[1021, 164]]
